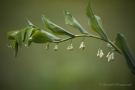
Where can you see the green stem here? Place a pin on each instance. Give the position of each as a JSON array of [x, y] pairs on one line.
[[100, 44]]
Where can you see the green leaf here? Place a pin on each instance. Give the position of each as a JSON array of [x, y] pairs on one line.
[[41, 36], [69, 19], [15, 48], [29, 32], [20, 36], [110, 46], [56, 30], [95, 23], [122, 44], [28, 22], [11, 34]]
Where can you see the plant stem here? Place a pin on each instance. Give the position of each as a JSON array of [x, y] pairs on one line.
[[93, 36]]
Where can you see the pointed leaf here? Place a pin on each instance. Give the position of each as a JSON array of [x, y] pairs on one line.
[[57, 30], [28, 22], [122, 44], [41, 36], [28, 35], [95, 23], [20, 36], [69, 19], [16, 49]]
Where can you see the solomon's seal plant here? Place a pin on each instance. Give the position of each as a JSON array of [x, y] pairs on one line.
[[33, 34]]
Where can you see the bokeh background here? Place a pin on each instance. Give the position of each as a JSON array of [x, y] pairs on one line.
[[38, 69]]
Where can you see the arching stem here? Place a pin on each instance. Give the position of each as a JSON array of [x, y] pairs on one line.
[[93, 36]]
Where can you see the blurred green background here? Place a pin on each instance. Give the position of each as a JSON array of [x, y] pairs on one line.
[[38, 69]]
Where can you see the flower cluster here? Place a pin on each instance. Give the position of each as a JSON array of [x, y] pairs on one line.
[[69, 48], [110, 56], [100, 53]]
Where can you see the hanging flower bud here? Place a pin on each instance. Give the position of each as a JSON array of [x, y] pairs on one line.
[[55, 47], [112, 56], [109, 58], [98, 52], [70, 47], [108, 55], [47, 46], [82, 46], [101, 54]]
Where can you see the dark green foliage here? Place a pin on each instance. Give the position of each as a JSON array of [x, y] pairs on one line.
[[95, 23], [126, 52], [57, 30], [70, 20]]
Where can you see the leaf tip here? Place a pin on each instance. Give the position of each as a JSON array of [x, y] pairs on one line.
[[88, 4], [65, 11], [88, 8], [28, 22], [120, 35], [42, 15]]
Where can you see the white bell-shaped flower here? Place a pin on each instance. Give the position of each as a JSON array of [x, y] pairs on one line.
[[109, 58], [101, 54], [47, 46], [55, 47], [108, 55], [112, 56], [98, 53], [70, 47], [82, 46]]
